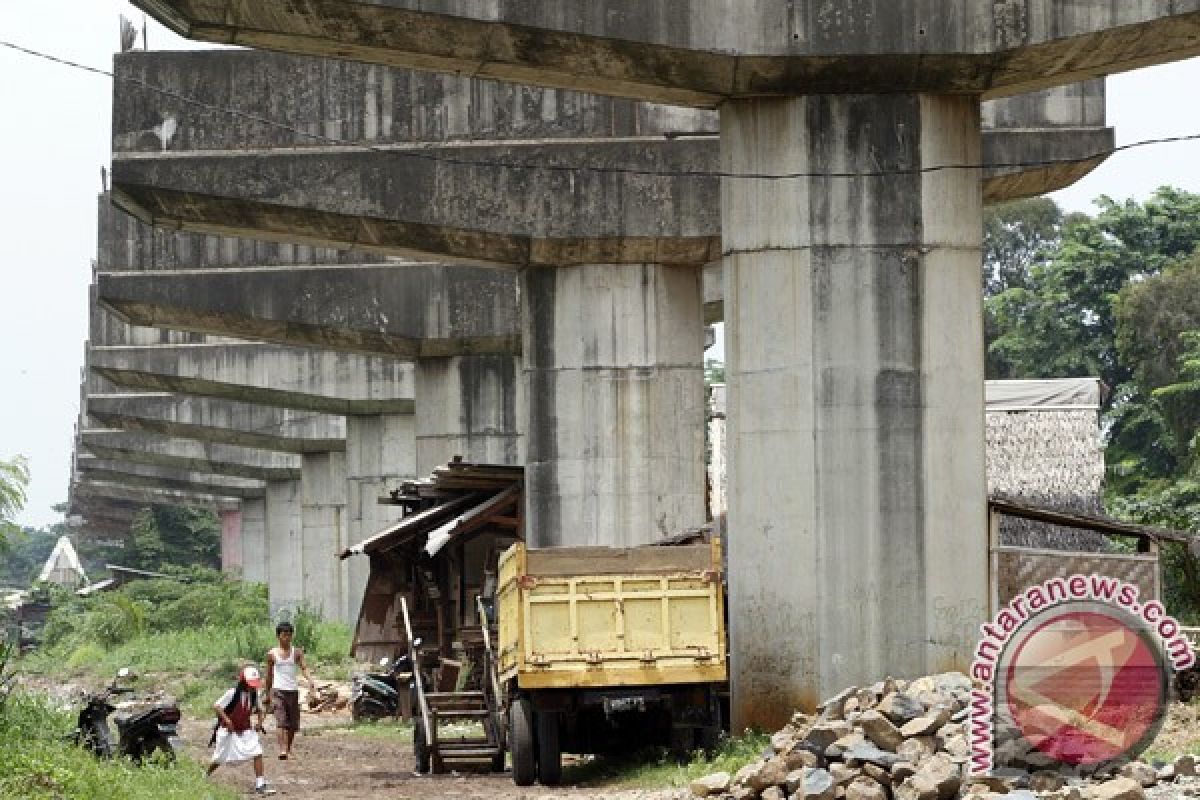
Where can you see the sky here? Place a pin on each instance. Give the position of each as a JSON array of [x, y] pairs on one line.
[[54, 137]]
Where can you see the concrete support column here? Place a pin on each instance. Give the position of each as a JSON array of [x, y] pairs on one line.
[[323, 521], [285, 546], [380, 453], [254, 540], [857, 543], [615, 396], [230, 514], [468, 406]]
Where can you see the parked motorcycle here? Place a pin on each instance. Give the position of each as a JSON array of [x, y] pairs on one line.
[[140, 735], [376, 695]]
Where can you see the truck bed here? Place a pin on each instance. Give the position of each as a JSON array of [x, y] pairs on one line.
[[596, 617]]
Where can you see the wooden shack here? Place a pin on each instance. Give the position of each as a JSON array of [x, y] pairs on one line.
[[439, 557]]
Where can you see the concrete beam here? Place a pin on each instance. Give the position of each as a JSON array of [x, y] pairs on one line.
[[208, 419], [89, 488], [411, 311], [186, 454], [151, 477], [348, 197], [691, 54], [420, 187], [326, 382]]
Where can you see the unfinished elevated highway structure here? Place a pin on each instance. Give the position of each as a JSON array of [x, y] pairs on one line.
[[851, 167]]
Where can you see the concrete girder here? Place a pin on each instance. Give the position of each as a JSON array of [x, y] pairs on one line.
[[146, 496], [186, 454], [151, 477], [355, 198], [410, 311], [285, 377], [219, 421], [106, 513], [690, 54], [656, 219]]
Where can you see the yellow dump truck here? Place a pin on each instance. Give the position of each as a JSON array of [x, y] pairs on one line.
[[602, 649]]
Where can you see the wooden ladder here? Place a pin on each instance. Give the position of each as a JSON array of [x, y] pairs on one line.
[[436, 710]]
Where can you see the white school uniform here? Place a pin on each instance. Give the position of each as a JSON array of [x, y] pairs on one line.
[[233, 748]]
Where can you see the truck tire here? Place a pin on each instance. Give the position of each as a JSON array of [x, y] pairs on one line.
[[420, 746], [524, 765], [549, 749]]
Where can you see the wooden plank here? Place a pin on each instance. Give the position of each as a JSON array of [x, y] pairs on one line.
[[1072, 519], [573, 561]]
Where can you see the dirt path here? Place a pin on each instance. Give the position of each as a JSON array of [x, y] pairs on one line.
[[332, 762]]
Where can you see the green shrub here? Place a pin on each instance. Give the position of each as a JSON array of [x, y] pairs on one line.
[[37, 762], [113, 620], [85, 656]]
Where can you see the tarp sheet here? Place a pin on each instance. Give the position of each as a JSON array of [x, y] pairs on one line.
[[1043, 395]]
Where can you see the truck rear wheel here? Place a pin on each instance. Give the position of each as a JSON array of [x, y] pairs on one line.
[[524, 766], [549, 749]]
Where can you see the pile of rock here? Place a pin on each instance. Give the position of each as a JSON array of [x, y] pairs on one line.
[[900, 740]]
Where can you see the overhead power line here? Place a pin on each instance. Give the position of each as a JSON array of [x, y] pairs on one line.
[[427, 152]]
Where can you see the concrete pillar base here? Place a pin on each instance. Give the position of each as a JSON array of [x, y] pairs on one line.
[[615, 394], [857, 544]]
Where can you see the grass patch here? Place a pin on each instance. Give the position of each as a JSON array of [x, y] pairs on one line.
[[387, 730], [659, 768], [37, 763]]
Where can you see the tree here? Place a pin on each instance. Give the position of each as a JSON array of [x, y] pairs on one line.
[[1016, 237], [1061, 322], [14, 478], [714, 371], [166, 536]]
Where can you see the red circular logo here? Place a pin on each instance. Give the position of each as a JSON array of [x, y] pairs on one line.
[[1085, 685]]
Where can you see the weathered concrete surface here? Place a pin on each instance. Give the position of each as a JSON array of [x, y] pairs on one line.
[[285, 546], [188, 454], [469, 406], [106, 514], [84, 487], [219, 421], [466, 208], [327, 382], [229, 515], [347, 197], [324, 99], [324, 531], [162, 477], [254, 540], [613, 364], [691, 54], [854, 317], [125, 244], [411, 311], [381, 453]]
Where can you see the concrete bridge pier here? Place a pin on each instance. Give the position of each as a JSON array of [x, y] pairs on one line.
[[229, 513], [254, 540], [615, 392], [285, 545], [853, 318], [323, 533], [468, 406], [380, 454]]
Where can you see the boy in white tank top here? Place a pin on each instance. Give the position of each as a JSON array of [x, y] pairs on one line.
[[282, 687]]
